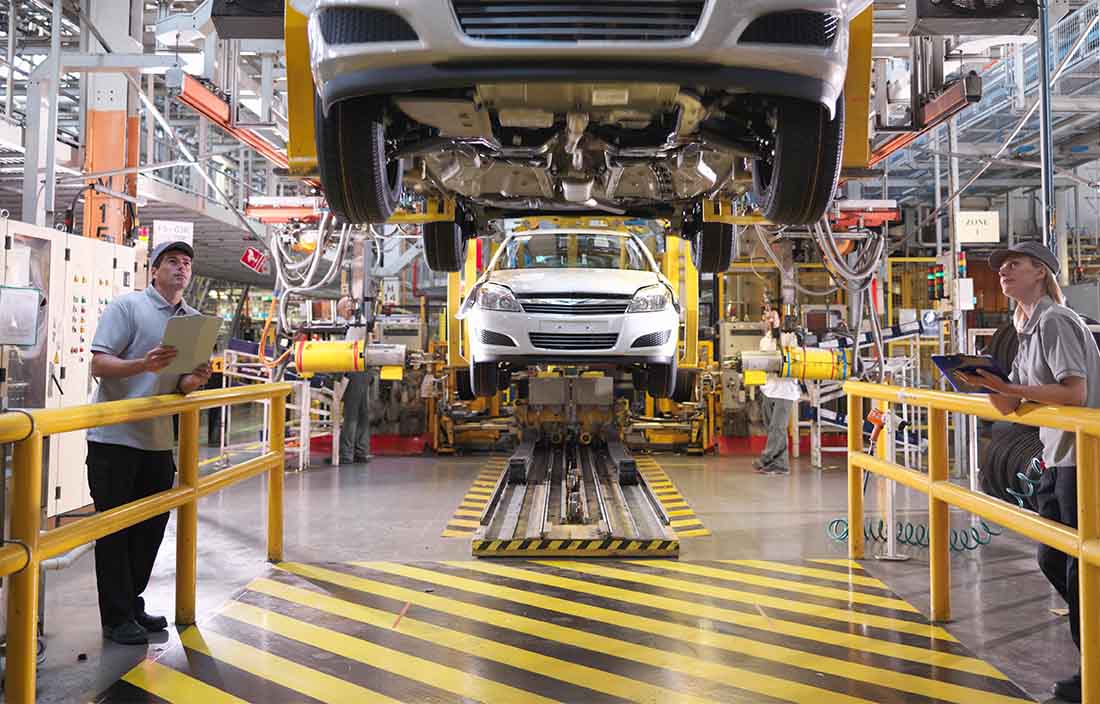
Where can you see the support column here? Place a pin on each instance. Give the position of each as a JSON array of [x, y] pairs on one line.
[[1046, 133], [108, 124]]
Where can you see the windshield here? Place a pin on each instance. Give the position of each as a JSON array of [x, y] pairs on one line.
[[573, 251]]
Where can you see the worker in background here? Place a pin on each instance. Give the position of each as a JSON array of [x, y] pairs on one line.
[[130, 461], [1057, 364], [357, 394], [779, 395]]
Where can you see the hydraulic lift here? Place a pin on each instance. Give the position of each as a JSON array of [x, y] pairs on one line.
[[575, 489]]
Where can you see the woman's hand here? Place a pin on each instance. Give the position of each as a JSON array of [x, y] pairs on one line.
[[982, 378]]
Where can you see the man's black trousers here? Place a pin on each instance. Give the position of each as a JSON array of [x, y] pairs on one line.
[[124, 560]]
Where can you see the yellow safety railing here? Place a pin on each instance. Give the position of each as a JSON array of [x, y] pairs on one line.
[[29, 546], [1083, 543]]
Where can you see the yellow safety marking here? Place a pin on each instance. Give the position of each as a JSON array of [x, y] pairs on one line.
[[785, 585], [840, 562], [468, 513], [684, 523], [692, 533], [809, 572], [449, 679], [676, 504], [480, 492], [281, 671], [473, 504], [457, 533], [681, 512], [174, 686], [464, 523], [765, 600], [654, 657], [556, 668], [705, 612], [742, 646], [487, 485]]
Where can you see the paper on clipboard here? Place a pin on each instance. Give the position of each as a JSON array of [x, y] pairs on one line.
[[194, 337]]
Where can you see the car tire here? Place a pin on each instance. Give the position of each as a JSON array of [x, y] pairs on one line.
[[360, 185], [463, 389], [685, 386], [712, 247], [796, 186], [444, 246], [662, 380], [484, 379]]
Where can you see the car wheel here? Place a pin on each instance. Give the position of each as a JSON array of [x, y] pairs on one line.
[[444, 246], [360, 185], [639, 379], [795, 186], [685, 385], [484, 377], [662, 380], [463, 389], [712, 247]]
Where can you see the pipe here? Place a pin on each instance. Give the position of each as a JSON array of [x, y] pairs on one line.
[[64, 562], [1046, 131]]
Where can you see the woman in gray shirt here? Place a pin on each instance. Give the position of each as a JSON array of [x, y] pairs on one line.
[[1057, 364]]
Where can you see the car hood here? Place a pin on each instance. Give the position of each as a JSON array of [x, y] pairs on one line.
[[561, 282]]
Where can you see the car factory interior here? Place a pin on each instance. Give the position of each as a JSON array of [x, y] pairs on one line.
[[550, 351]]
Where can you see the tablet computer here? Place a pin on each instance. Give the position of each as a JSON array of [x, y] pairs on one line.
[[954, 366]]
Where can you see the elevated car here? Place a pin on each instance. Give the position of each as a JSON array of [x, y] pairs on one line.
[[593, 297], [636, 107]]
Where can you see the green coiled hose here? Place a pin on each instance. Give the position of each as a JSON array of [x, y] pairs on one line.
[[914, 534]]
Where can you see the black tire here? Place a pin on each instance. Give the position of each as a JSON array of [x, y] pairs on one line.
[[463, 389], [662, 380], [712, 247], [685, 386], [796, 185], [444, 246], [360, 185], [484, 377]]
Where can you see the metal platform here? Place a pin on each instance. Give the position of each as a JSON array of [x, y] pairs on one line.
[[573, 499], [566, 631]]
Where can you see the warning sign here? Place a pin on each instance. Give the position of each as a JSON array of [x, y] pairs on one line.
[[254, 259]]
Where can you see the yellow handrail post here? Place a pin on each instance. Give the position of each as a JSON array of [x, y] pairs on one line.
[[1088, 531], [26, 522], [187, 519], [939, 516], [855, 478], [275, 480]]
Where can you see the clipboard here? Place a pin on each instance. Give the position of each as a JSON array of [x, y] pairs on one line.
[[194, 337], [952, 365]]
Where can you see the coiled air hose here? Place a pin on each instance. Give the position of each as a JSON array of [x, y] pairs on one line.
[[914, 534]]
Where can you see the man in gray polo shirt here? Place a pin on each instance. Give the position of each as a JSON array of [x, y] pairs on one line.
[[130, 461]]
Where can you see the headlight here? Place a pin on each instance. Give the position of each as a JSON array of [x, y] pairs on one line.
[[650, 300], [495, 297]]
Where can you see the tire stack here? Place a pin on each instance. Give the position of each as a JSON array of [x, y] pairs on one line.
[[1008, 453]]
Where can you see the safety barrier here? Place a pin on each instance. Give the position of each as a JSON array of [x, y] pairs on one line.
[[29, 546], [1083, 543]]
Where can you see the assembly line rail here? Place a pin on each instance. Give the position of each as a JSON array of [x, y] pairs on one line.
[[1083, 543], [28, 546]]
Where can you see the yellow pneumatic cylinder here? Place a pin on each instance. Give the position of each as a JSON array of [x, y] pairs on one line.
[[810, 364], [319, 357]]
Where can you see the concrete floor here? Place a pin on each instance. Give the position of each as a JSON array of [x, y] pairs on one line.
[[395, 508]]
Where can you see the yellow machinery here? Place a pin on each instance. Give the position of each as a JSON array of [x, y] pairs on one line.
[[802, 363]]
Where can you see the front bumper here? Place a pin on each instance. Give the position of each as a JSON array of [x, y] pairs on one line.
[[442, 56], [528, 331]]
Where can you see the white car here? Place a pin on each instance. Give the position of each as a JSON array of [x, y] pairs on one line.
[[592, 297], [637, 107]]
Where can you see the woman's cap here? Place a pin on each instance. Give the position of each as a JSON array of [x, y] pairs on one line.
[[1030, 249]]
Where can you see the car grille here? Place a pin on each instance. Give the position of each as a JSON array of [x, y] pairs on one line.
[[361, 25], [578, 307], [488, 337], [802, 27], [578, 20], [569, 341], [653, 339]]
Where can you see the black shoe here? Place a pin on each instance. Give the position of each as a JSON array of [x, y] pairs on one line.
[[1069, 690], [777, 470], [363, 459], [126, 633], [151, 623]]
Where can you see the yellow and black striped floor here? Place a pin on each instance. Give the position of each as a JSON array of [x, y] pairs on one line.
[[819, 631], [682, 519]]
